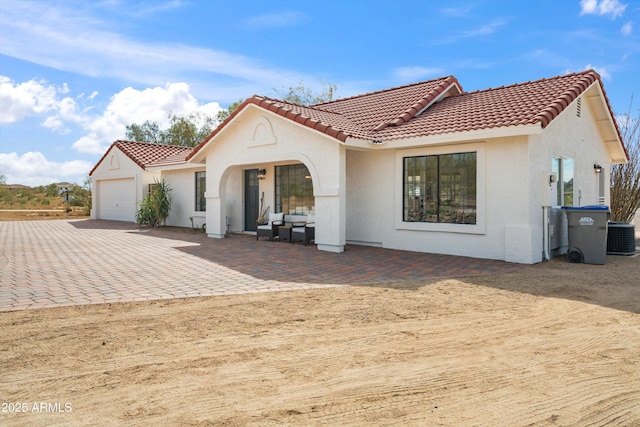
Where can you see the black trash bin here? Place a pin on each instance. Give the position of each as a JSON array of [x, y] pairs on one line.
[[587, 233]]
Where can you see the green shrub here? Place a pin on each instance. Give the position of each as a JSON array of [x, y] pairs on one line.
[[154, 209]]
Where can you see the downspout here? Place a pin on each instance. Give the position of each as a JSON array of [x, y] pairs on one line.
[[546, 223]]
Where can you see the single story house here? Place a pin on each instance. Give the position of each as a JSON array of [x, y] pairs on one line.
[[125, 173], [422, 167]]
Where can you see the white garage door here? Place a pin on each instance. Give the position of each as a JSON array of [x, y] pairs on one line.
[[117, 199]]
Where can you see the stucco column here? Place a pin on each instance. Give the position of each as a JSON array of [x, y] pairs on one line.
[[330, 210], [216, 221]]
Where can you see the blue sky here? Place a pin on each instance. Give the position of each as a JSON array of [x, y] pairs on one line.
[[73, 74]]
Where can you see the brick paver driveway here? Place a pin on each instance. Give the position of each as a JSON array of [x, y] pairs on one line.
[[71, 262]]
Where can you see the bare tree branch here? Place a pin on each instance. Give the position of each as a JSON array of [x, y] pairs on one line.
[[625, 178]]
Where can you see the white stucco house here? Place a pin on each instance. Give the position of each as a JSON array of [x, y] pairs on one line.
[[126, 172], [423, 167]]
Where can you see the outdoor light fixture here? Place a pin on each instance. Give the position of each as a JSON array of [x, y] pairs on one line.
[[262, 173], [597, 168]]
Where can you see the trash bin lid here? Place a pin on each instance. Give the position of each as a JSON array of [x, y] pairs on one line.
[[586, 208]]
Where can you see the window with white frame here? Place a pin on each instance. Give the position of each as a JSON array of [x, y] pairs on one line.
[[440, 188], [201, 187], [563, 168]]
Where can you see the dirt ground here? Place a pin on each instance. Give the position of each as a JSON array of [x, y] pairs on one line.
[[39, 215], [552, 344]]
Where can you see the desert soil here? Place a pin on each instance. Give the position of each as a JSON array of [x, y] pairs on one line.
[[552, 344]]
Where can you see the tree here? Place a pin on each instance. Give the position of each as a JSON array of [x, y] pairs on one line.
[[3, 180], [625, 178], [148, 132], [223, 114], [301, 95], [82, 195], [187, 130]]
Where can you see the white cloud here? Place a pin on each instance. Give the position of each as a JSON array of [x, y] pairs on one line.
[[602, 7], [72, 39], [37, 98], [137, 106], [600, 70], [588, 6], [19, 100], [417, 72], [627, 29], [33, 169]]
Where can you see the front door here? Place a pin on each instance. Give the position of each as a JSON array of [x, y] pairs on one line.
[[251, 199]]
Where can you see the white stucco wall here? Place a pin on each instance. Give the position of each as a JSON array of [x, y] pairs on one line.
[[260, 139], [578, 138], [183, 198], [358, 189], [117, 165], [513, 186], [374, 201]]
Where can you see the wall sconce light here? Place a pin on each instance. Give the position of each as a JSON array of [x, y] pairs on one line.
[[262, 173], [597, 168]]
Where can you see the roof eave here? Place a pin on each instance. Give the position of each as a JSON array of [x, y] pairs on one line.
[[606, 123], [445, 138], [172, 166]]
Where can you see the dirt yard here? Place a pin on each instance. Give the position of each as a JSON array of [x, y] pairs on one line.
[[553, 344]]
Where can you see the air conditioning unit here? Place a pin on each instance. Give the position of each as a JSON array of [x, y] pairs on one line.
[[621, 239]]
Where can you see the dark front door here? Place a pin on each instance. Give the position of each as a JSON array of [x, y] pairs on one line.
[[251, 199]]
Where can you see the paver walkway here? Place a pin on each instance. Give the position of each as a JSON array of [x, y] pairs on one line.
[[72, 262]]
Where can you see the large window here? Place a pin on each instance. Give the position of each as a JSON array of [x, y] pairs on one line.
[[440, 188], [201, 187], [294, 190], [563, 167]]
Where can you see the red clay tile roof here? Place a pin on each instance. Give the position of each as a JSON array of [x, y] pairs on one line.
[[433, 107], [357, 116], [537, 102], [146, 154]]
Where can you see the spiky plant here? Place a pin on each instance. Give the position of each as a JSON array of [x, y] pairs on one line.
[[154, 209]]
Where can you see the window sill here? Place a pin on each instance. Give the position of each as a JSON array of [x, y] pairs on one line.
[[441, 227]]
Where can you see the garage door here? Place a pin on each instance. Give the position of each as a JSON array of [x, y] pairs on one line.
[[117, 199]]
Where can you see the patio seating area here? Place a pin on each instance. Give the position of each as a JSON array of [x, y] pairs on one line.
[[288, 228]]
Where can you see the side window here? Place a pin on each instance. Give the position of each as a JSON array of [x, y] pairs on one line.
[[201, 187], [563, 167]]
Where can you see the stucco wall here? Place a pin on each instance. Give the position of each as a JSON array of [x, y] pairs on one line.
[[183, 198], [374, 201], [578, 138], [574, 137], [513, 186], [358, 189], [116, 165], [260, 139]]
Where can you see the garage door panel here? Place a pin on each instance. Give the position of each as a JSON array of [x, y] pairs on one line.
[[117, 199]]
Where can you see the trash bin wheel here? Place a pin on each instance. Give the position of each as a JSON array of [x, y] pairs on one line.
[[575, 255]]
